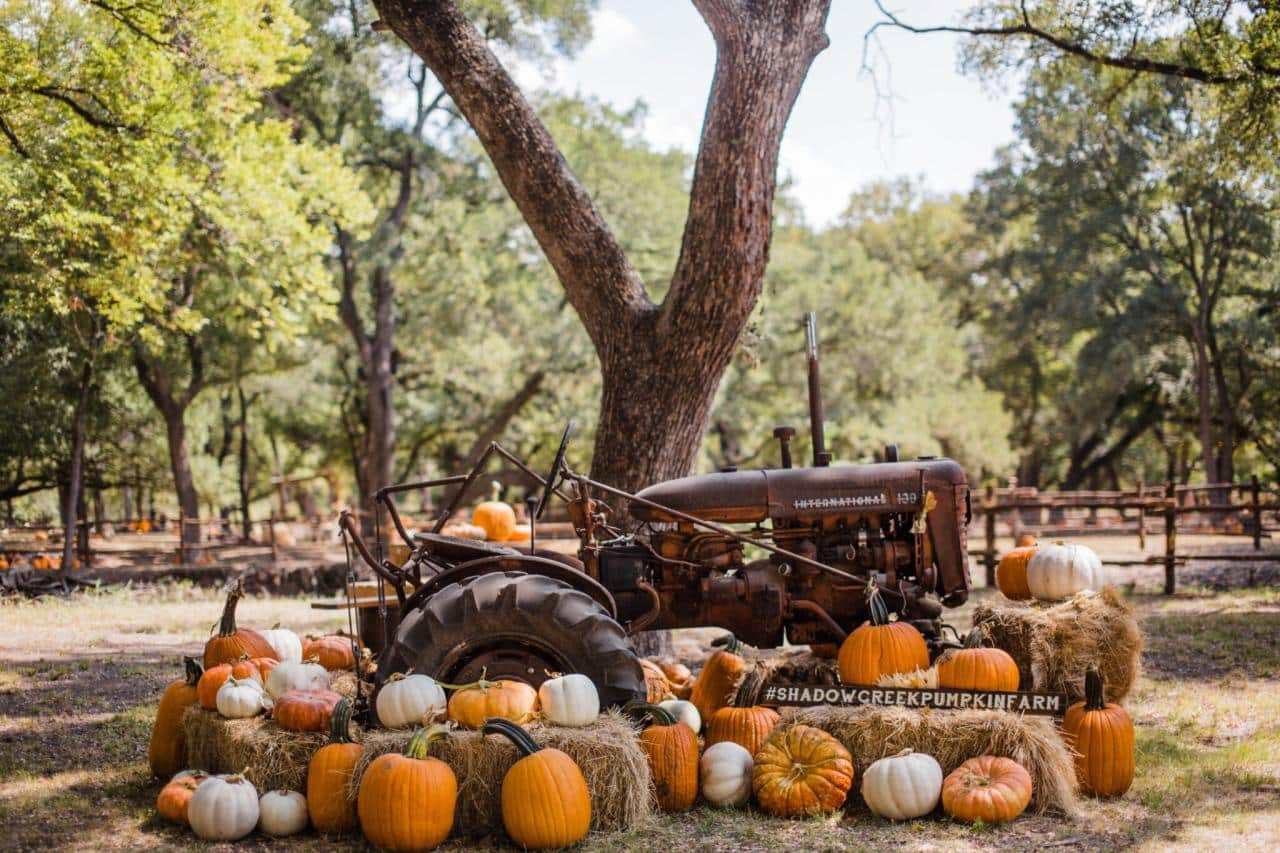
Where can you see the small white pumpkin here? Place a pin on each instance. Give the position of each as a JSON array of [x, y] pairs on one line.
[[903, 786], [410, 700], [282, 813], [569, 700], [287, 644], [725, 771], [295, 675], [1059, 571], [684, 711], [239, 698], [224, 808]]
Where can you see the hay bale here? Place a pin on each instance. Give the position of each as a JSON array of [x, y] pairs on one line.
[[269, 756], [615, 767], [1054, 645], [871, 733], [796, 667]]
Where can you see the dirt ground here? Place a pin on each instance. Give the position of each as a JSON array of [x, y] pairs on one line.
[[80, 678]]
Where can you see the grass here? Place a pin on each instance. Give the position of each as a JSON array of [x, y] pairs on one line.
[[80, 679]]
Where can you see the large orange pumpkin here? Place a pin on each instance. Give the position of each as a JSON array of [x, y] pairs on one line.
[[406, 802], [231, 644], [719, 678], [545, 803], [167, 751], [331, 768], [470, 706], [497, 519], [880, 647], [333, 652], [672, 748], [747, 727], [978, 668], [305, 710], [1011, 572], [175, 796], [214, 677], [1101, 733], [988, 789], [801, 771]]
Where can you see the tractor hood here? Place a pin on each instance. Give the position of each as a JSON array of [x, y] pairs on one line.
[[750, 497]]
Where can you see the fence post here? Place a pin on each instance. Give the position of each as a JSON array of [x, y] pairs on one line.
[[989, 519], [271, 534], [1142, 515], [1170, 536], [1255, 498], [182, 538]]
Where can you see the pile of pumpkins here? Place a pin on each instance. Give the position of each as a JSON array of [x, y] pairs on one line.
[[39, 562]]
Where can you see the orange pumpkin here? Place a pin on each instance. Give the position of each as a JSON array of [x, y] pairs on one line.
[[175, 796], [1026, 539], [719, 678], [677, 673], [216, 676], [1101, 734], [331, 768], [264, 665], [406, 802], [747, 727], [305, 710], [978, 668], [333, 652], [656, 686], [1011, 572], [988, 789], [167, 751], [672, 748], [545, 803], [232, 643], [880, 647], [497, 519], [470, 706], [801, 771]]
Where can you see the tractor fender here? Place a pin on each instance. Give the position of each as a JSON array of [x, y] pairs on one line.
[[558, 567]]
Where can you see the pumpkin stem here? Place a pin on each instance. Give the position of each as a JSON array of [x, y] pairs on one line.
[[729, 641], [1093, 698], [524, 743], [660, 716], [423, 738], [227, 627], [194, 671], [879, 611], [340, 723], [974, 639]]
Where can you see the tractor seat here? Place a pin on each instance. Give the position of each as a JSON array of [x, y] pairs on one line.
[[454, 549]]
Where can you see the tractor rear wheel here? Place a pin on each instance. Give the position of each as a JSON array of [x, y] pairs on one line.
[[518, 626]]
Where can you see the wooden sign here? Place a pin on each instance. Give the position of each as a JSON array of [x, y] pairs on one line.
[[780, 694]]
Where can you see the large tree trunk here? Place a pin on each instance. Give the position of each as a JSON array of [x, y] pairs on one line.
[[75, 479], [172, 404], [180, 465], [661, 364], [242, 466], [1204, 409]]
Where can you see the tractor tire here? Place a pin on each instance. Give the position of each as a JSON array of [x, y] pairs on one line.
[[517, 626]]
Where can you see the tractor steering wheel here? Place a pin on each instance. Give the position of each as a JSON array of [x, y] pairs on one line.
[[556, 467]]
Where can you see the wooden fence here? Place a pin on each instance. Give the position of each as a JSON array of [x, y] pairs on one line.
[[1227, 509]]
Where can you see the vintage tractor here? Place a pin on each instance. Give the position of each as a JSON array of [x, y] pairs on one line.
[[787, 553]]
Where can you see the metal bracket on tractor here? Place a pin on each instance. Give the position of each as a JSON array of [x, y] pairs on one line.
[[778, 554]]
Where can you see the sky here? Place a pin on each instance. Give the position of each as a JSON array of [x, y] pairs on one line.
[[944, 126]]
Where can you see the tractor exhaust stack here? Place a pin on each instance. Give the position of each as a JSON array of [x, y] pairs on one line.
[[821, 457]]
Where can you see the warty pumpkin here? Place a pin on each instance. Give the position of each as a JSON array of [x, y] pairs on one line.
[[406, 802], [879, 647], [1011, 572], [672, 748], [545, 803], [656, 686], [719, 678], [331, 768], [977, 668], [333, 652], [471, 705], [231, 644], [305, 710], [748, 727], [214, 677], [677, 673], [801, 771], [1101, 735], [175, 797], [987, 788], [167, 751]]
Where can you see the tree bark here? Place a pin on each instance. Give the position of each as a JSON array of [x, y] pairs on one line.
[[242, 464], [661, 364], [158, 383], [75, 482]]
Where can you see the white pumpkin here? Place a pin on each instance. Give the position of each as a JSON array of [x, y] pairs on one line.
[[287, 644], [903, 786], [239, 698], [725, 773], [570, 700], [410, 701], [224, 808], [282, 813], [295, 675], [1059, 571], [684, 711]]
